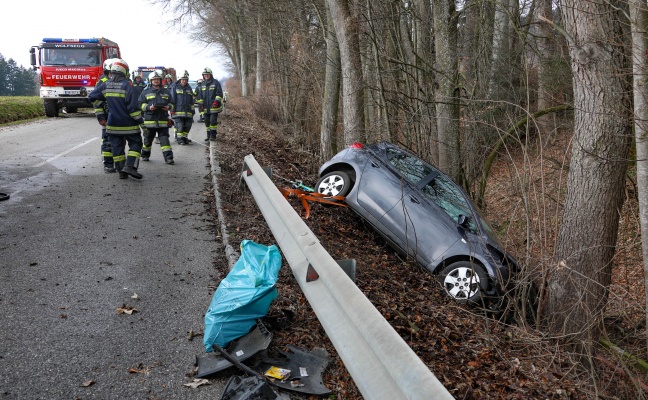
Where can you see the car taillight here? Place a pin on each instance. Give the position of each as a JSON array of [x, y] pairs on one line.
[[356, 145]]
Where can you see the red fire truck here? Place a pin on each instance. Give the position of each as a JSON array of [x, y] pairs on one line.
[[69, 69], [145, 71]]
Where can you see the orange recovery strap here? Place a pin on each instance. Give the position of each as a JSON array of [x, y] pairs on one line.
[[305, 197]]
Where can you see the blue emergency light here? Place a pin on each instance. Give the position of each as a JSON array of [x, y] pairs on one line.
[[61, 40]]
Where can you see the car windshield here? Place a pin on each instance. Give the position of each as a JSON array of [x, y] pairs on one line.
[[447, 195], [66, 56], [412, 168]]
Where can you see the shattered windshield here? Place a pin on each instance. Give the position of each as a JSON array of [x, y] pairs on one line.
[[65, 56]]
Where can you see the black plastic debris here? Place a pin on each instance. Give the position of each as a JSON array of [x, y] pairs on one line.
[[306, 370], [240, 349], [249, 388]]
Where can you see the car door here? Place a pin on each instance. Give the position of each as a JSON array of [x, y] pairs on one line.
[[447, 202], [379, 190], [391, 198]]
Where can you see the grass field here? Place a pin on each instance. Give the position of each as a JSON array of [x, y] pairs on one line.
[[17, 108]]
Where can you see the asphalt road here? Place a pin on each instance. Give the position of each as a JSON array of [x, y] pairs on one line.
[[76, 244]]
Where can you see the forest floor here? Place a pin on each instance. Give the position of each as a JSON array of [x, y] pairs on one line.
[[472, 355]]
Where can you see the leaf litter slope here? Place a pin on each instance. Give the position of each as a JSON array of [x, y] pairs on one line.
[[472, 355]]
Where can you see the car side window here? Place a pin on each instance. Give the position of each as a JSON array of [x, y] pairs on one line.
[[412, 168], [445, 194]]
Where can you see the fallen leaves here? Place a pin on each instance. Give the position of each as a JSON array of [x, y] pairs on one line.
[[196, 383], [193, 334], [140, 369], [125, 309], [87, 383]]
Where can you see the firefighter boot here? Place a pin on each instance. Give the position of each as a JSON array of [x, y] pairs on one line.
[[119, 166], [131, 167], [168, 157], [131, 171], [146, 152]]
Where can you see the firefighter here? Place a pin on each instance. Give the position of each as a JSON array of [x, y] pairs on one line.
[[124, 119], [168, 82], [139, 85], [210, 96], [156, 103], [101, 111], [183, 99], [201, 109]]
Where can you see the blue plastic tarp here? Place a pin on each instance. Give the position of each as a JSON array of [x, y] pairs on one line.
[[244, 295]]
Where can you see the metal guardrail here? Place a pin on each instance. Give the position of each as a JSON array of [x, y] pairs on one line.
[[382, 365], [232, 255]]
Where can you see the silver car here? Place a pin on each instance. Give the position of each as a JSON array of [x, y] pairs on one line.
[[423, 214]]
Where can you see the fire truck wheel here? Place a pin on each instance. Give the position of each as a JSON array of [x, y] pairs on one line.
[[51, 108]]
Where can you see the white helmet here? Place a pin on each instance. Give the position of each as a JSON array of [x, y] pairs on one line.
[[155, 75], [119, 65], [185, 75], [108, 63]]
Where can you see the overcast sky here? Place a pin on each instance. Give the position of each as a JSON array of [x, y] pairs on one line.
[[141, 30]]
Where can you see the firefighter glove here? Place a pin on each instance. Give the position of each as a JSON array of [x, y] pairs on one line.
[[102, 122]]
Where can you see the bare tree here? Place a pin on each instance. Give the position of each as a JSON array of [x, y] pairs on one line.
[[447, 104], [639, 26], [346, 31], [331, 100], [578, 283]]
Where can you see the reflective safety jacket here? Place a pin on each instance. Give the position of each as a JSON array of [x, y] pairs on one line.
[[101, 108], [124, 117], [183, 99], [207, 92], [139, 87], [160, 97]]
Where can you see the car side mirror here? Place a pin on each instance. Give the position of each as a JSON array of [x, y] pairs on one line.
[[463, 220]]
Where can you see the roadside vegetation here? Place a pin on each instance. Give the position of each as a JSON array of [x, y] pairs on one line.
[[17, 108]]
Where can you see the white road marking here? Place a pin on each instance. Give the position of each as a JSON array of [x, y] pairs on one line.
[[64, 152]]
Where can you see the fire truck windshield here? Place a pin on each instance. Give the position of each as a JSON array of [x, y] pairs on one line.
[[67, 57]]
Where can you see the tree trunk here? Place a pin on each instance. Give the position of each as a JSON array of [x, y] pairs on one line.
[[331, 99], [259, 65], [501, 38], [243, 47], [578, 283], [639, 26], [346, 31], [447, 103], [545, 54]]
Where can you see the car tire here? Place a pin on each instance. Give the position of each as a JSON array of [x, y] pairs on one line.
[[464, 281], [336, 183]]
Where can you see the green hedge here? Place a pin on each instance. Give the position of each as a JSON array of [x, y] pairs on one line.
[[16, 108]]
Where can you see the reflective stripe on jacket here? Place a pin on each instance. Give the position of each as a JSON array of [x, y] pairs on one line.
[[207, 93], [183, 99], [157, 118], [124, 117]]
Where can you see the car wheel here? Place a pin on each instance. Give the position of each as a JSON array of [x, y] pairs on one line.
[[335, 183], [463, 281]]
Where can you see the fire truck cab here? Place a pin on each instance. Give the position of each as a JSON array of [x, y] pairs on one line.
[[69, 70], [144, 72]]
